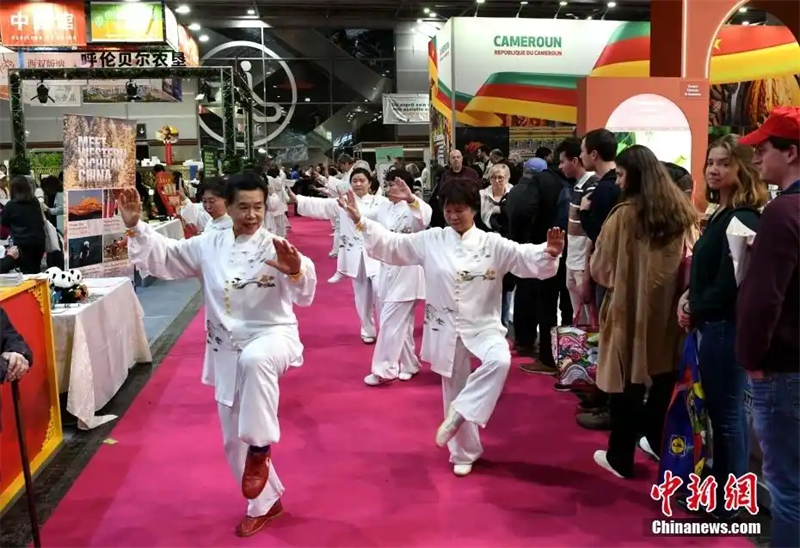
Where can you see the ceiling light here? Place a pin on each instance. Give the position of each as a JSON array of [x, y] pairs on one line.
[[612, 4], [480, 1], [524, 2], [308, 99], [182, 9], [742, 10], [251, 12], [745, 23], [194, 26], [427, 10], [131, 1], [562, 3], [203, 38], [432, 14], [419, 21], [589, 18]]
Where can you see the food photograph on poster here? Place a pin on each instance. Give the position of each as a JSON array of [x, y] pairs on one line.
[[110, 207]]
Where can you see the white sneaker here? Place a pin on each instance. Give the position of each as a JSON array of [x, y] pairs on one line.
[[406, 376], [449, 427], [368, 340], [644, 445], [336, 278], [375, 380], [333, 254], [601, 459], [462, 470]]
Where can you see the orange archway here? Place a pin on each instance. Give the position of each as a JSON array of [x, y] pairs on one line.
[[685, 32]]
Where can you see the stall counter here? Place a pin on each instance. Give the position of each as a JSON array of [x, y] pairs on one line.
[[28, 308]]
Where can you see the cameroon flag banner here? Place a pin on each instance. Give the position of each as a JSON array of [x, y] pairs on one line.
[[543, 82]]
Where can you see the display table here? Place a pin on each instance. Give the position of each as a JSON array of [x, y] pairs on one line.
[[97, 342], [172, 229], [28, 308]]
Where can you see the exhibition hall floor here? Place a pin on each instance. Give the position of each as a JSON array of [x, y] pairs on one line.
[[359, 463]]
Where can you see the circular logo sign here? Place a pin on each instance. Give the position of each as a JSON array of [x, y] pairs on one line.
[[273, 111]]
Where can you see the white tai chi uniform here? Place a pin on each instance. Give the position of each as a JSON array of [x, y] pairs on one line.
[[399, 288], [352, 261], [275, 218], [195, 214], [463, 283], [336, 187], [251, 330]]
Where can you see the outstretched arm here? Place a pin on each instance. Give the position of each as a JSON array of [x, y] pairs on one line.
[[317, 208], [391, 248], [538, 261], [163, 257]]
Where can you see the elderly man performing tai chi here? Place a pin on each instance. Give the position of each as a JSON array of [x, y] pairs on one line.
[[464, 268], [251, 279]]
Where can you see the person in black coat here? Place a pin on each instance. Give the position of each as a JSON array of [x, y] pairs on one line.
[[15, 354]]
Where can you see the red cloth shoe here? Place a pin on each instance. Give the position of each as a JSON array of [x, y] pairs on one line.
[[250, 526]]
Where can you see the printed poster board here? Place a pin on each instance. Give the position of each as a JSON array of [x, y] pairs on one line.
[[99, 161]]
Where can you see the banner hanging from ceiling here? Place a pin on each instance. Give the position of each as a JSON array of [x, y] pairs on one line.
[[42, 24], [138, 22], [171, 25], [406, 108]]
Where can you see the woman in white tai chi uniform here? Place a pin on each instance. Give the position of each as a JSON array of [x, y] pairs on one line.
[[352, 261], [251, 280], [399, 287], [210, 212], [464, 269]]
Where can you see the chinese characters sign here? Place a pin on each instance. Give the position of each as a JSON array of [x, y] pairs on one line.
[[42, 24], [739, 493], [127, 22], [130, 59]]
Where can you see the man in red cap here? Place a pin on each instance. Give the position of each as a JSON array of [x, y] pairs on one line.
[[768, 323]]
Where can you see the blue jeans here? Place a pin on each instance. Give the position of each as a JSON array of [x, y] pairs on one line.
[[724, 383], [776, 421]]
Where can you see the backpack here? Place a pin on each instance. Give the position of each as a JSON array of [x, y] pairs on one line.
[[562, 207]]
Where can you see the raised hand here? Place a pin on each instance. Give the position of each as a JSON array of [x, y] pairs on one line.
[[555, 242], [287, 260], [130, 207], [350, 205], [399, 191]]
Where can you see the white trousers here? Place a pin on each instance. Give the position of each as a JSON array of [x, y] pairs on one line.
[[279, 223], [474, 394], [336, 235], [394, 349], [253, 417], [366, 300]]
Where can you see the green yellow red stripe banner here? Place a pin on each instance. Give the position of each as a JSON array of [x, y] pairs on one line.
[[739, 54]]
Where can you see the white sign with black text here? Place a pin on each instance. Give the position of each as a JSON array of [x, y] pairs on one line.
[[406, 108]]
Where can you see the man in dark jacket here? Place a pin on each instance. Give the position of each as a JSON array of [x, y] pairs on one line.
[[532, 209], [768, 320], [15, 354], [455, 170]]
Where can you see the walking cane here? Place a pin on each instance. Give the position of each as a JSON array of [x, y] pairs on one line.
[[26, 467]]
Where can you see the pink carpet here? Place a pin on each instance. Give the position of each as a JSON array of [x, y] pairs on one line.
[[359, 463]]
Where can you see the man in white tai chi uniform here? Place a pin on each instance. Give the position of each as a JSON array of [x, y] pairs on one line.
[[251, 279]]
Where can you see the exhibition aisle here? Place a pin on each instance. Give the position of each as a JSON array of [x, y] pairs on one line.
[[359, 463]]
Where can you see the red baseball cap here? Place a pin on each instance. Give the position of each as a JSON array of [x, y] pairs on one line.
[[782, 122]]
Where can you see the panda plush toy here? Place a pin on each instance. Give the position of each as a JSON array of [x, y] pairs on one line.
[[67, 287]]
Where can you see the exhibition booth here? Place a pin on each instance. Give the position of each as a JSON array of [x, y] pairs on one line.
[[95, 66], [517, 84]]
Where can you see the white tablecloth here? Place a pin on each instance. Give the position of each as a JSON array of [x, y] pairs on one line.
[[97, 342], [171, 229]]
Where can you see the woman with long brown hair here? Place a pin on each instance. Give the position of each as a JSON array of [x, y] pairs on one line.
[[733, 183], [638, 257]]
